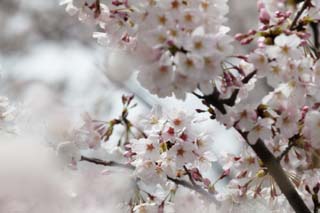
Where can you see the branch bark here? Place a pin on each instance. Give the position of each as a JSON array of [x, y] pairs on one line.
[[315, 29], [276, 171]]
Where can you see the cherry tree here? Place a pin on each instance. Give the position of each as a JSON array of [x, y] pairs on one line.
[[180, 47]]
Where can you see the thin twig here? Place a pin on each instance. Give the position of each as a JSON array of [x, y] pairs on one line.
[[197, 188], [286, 151], [305, 5], [183, 183], [189, 176], [106, 163], [232, 100], [214, 100]]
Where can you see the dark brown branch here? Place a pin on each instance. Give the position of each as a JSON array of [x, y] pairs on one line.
[[214, 100], [315, 29], [286, 151], [316, 203], [232, 100], [279, 175], [305, 5]]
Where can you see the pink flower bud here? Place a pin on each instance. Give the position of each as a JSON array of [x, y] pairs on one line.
[[260, 5], [195, 173], [206, 182], [246, 41], [252, 32], [239, 36], [264, 16], [288, 14], [304, 111]]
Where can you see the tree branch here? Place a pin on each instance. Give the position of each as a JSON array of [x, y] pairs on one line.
[[305, 5], [315, 30], [106, 163], [274, 168], [196, 188], [232, 100], [214, 100], [286, 151], [279, 175], [183, 183], [189, 176]]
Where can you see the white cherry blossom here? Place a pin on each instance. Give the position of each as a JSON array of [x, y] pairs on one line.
[[261, 130]]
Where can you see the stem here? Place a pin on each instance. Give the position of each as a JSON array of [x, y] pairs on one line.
[[183, 183], [189, 176], [106, 163], [214, 100], [305, 5], [232, 100], [196, 188], [286, 151]]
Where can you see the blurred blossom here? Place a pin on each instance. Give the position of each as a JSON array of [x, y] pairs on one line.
[[32, 181]]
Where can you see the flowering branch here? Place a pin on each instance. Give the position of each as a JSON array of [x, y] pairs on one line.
[[271, 163], [188, 51], [279, 175], [214, 100], [190, 176], [183, 183], [105, 163], [287, 150], [305, 5], [196, 188]]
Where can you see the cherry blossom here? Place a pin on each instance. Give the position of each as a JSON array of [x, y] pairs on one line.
[[187, 45], [311, 127], [183, 47]]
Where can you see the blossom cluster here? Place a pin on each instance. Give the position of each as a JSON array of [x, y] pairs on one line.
[[251, 181], [183, 45], [172, 145], [286, 119], [181, 42]]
